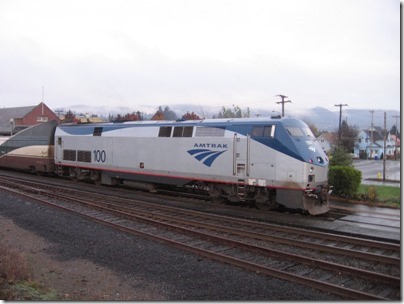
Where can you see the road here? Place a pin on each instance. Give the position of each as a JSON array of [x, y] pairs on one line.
[[373, 169]]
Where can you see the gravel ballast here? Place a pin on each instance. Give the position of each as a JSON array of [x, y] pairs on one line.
[[138, 269]]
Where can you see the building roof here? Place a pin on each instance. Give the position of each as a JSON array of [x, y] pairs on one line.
[[6, 114], [377, 134]]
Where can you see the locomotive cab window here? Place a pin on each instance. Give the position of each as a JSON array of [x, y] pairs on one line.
[[299, 132], [183, 131], [263, 131], [97, 131]]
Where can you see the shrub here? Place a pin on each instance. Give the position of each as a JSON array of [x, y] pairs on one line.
[[371, 193], [340, 157], [345, 180]]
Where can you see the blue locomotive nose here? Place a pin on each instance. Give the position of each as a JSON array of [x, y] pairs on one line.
[[305, 143]]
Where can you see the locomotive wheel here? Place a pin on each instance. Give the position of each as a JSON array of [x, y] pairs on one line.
[[266, 200], [96, 177], [73, 174], [216, 194]]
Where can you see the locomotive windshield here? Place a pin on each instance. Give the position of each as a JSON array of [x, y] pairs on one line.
[[304, 135], [299, 131]]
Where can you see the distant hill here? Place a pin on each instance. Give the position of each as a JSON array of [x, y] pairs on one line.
[[328, 120], [323, 119]]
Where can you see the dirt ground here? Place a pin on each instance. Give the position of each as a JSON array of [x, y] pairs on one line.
[[73, 280]]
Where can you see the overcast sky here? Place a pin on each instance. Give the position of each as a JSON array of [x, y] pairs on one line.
[[203, 52]]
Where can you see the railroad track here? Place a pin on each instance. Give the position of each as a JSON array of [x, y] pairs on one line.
[[354, 268]]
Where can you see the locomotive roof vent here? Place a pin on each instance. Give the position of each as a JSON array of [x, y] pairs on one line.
[[275, 115]]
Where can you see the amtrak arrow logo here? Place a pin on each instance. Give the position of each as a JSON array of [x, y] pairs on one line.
[[206, 156]]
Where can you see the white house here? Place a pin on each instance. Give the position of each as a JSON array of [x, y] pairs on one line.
[[327, 141]]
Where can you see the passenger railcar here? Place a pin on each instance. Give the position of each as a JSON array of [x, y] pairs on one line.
[[31, 149], [269, 161]]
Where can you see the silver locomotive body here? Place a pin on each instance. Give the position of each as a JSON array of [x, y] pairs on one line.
[[270, 161]]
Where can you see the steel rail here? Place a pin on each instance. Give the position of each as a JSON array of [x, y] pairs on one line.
[[283, 240], [292, 230], [274, 272]]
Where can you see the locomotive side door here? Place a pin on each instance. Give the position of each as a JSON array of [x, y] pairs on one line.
[[59, 148], [241, 156]]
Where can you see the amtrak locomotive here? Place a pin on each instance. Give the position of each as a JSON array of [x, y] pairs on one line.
[[269, 161]]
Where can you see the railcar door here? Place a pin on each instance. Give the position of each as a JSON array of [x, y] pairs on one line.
[[241, 156]]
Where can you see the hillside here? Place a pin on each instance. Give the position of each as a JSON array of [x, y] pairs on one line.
[[323, 119]]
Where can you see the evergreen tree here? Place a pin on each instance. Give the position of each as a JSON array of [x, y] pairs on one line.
[[393, 131], [348, 136], [168, 114], [340, 157], [236, 112]]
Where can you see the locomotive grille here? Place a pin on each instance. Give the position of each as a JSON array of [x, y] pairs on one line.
[[209, 132], [84, 156], [69, 155]]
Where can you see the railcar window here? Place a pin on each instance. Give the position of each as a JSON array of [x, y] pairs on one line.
[[209, 132], [183, 132], [165, 131], [263, 131], [97, 131]]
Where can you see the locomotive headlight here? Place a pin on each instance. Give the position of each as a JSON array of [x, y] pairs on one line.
[[311, 169]]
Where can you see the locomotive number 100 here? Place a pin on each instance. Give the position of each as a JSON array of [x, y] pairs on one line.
[[100, 156]]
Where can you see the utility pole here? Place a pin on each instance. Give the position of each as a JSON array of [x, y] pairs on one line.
[[283, 103], [371, 135], [384, 148], [340, 118]]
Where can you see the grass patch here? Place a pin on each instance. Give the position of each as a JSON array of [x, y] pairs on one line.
[[27, 290], [386, 195], [16, 279]]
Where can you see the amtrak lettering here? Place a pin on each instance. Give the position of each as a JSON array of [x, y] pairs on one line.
[[207, 145], [207, 156]]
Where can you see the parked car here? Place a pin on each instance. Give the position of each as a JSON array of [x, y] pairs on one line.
[[354, 156]]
